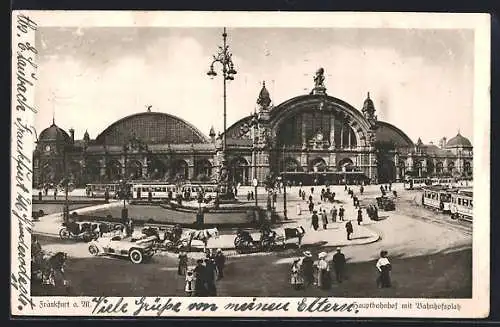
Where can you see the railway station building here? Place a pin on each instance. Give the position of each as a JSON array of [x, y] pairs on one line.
[[311, 138]]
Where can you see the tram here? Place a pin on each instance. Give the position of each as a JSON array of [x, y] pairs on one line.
[[415, 183], [461, 205], [99, 190], [190, 191], [159, 191], [443, 181], [437, 197]]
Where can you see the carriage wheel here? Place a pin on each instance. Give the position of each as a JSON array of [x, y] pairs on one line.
[[136, 256], [64, 233], [93, 250]]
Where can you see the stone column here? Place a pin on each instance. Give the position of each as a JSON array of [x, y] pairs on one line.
[[303, 131], [342, 136], [144, 167], [332, 133]]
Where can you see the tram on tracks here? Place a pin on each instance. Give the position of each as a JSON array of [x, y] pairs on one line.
[[415, 183], [461, 205], [159, 191], [99, 190], [437, 197]]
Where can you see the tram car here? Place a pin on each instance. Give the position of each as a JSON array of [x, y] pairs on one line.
[[190, 191], [461, 205], [437, 197], [99, 190], [443, 181], [415, 183], [158, 191]]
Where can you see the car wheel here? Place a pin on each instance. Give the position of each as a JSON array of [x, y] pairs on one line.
[[64, 234], [93, 250], [136, 256]]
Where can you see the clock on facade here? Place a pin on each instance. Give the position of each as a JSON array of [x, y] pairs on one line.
[[319, 137], [47, 148]]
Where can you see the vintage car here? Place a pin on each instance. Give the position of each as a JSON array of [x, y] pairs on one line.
[[136, 250]]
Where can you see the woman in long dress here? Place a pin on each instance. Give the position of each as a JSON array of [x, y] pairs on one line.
[[323, 272], [384, 269], [296, 279]]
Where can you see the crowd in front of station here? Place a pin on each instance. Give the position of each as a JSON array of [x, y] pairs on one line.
[[305, 272]]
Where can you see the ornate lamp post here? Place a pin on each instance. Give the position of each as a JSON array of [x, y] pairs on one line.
[[223, 57]]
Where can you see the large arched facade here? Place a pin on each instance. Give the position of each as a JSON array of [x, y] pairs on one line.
[[311, 137]]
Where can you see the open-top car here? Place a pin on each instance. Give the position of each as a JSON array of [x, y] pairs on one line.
[[136, 250]]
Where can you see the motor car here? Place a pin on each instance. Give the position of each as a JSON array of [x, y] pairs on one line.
[[137, 251]]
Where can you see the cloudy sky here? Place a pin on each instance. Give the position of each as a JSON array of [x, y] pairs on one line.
[[420, 80]]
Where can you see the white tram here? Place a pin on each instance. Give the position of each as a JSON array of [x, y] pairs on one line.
[[99, 190], [158, 191], [443, 181], [415, 183], [437, 198], [461, 205]]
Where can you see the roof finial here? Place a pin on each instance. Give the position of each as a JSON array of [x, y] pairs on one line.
[[459, 131], [149, 107], [263, 83], [368, 95]]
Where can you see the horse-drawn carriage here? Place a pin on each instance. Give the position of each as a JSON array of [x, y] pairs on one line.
[[47, 268], [386, 203], [168, 239], [90, 230], [269, 239]]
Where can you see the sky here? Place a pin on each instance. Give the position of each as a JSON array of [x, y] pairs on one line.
[[420, 80]]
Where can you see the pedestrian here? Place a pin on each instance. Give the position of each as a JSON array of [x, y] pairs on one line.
[[341, 213], [310, 198], [55, 192], [324, 219], [248, 196], [314, 220], [303, 195], [322, 196], [323, 272], [252, 196], [275, 198], [354, 201], [300, 192], [311, 207], [386, 188], [220, 262], [183, 261], [349, 230], [333, 212], [211, 273], [361, 189], [199, 277], [339, 263], [390, 186], [384, 268], [299, 210], [307, 268], [296, 279], [312, 190], [345, 187], [360, 216], [190, 283]]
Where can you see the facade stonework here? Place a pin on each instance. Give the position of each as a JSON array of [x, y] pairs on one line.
[[314, 135]]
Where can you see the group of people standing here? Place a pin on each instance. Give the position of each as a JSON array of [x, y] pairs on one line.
[[201, 280], [305, 273]]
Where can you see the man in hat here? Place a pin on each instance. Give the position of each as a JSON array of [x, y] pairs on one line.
[[333, 212], [200, 277], [210, 273], [339, 265], [220, 261], [315, 220], [341, 213], [360, 216], [349, 230], [307, 268], [183, 262]]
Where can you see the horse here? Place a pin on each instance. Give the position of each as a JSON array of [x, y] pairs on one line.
[[50, 269], [200, 235]]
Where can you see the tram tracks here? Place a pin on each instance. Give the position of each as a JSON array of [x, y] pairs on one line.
[[412, 209]]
